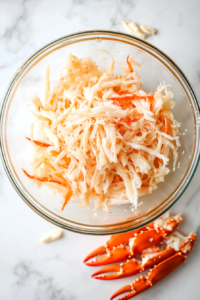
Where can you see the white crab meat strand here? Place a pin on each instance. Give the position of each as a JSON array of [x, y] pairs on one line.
[[148, 30], [134, 29], [52, 236], [163, 223], [147, 256], [174, 242]]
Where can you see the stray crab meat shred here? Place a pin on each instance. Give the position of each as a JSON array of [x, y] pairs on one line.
[[101, 136], [148, 30], [52, 236], [160, 248], [134, 29]]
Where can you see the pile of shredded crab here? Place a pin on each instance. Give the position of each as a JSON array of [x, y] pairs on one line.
[[100, 137]]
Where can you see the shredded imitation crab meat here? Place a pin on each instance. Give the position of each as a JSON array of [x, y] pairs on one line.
[[99, 136]]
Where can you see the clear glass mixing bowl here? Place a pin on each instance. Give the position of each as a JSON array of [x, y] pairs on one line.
[[15, 123]]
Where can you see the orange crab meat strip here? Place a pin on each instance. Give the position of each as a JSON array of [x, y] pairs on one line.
[[43, 179], [132, 97], [144, 186], [39, 143], [166, 126], [123, 92], [128, 119], [67, 198], [129, 65]]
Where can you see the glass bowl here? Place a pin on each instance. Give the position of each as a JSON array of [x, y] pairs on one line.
[[16, 119]]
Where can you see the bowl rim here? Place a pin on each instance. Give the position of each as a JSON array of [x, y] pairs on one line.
[[87, 229]]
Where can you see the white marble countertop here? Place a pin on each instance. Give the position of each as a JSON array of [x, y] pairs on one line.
[[34, 271]]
